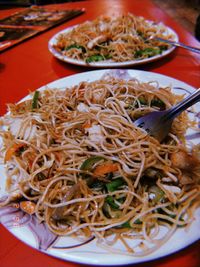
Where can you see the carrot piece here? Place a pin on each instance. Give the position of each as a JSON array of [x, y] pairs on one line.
[[87, 124], [10, 151], [28, 207], [105, 168]]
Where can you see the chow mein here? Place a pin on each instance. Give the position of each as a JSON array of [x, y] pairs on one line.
[[118, 39], [75, 159]]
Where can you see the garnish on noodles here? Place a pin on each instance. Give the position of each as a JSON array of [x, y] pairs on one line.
[[119, 39], [75, 160]]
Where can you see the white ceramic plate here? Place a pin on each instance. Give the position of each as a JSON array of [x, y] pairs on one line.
[[27, 228], [106, 63]]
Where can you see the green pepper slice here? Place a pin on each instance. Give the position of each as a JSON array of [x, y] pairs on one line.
[[115, 184], [75, 46], [111, 202], [96, 58], [149, 52], [88, 163]]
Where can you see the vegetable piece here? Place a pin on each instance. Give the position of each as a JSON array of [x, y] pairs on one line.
[[20, 150], [88, 163], [152, 173], [148, 52], [127, 224], [12, 150], [110, 200], [173, 216], [157, 193], [163, 47], [108, 56], [142, 101], [158, 103], [135, 103], [141, 34], [35, 100], [76, 46], [96, 184], [138, 221], [115, 184], [41, 176], [87, 124], [94, 58], [28, 206], [105, 210], [97, 57], [105, 168]]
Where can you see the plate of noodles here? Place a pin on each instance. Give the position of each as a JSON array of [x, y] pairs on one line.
[[112, 42], [80, 182]]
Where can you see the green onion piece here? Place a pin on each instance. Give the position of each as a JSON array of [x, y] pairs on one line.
[[111, 202], [35, 100], [115, 184]]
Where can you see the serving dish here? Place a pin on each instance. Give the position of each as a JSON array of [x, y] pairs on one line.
[[87, 251]]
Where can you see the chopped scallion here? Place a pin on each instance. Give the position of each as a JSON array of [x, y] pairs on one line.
[[35, 100]]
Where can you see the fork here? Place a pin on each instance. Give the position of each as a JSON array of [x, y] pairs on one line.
[[179, 44], [158, 123]]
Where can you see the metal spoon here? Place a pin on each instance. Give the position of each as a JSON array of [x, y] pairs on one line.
[[158, 123], [179, 44]]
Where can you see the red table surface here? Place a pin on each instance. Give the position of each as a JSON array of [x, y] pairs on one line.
[[29, 65]]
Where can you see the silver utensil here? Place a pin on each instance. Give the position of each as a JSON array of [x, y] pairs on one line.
[[158, 123], [179, 44]]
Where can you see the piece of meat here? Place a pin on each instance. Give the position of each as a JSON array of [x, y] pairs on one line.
[[184, 161]]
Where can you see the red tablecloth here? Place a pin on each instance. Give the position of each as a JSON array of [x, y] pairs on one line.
[[30, 65]]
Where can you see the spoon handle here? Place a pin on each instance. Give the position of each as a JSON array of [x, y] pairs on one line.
[[193, 49], [183, 105]]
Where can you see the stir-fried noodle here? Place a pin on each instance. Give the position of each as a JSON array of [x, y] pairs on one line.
[[118, 39], [75, 159]]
